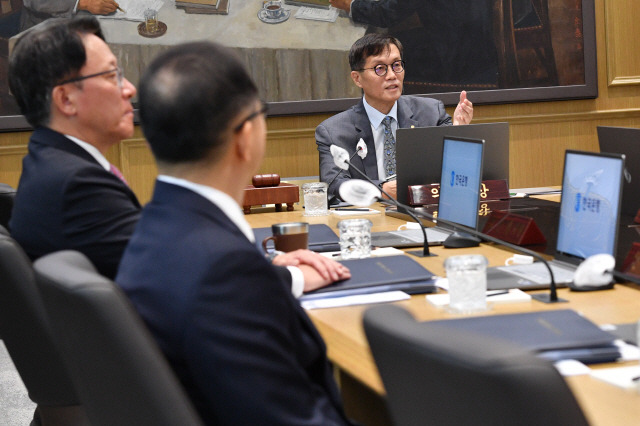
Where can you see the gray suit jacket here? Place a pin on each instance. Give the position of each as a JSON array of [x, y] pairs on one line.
[[346, 129]]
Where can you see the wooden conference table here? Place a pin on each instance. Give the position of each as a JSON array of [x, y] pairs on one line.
[[361, 386]]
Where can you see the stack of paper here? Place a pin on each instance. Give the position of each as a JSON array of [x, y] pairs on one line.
[[212, 7], [315, 14]]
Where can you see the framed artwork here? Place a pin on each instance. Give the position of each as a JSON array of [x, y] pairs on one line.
[[499, 51]]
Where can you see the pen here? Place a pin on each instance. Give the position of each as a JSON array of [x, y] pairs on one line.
[[392, 177], [497, 293], [119, 8], [349, 209]]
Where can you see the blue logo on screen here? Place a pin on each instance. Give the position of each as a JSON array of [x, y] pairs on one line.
[[453, 177], [587, 204]]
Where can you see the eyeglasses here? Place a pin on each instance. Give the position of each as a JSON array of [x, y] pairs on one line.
[[381, 69], [263, 110], [117, 70]]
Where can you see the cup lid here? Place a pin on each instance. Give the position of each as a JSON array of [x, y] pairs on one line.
[[290, 228]]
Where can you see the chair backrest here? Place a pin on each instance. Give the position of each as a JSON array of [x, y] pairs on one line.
[[24, 327], [439, 375], [121, 375], [7, 194]]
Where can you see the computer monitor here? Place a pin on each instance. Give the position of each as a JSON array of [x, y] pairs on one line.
[[460, 180], [590, 205], [419, 153], [625, 140]]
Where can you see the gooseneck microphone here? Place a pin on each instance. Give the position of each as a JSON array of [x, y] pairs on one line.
[[341, 159], [360, 193], [358, 149]]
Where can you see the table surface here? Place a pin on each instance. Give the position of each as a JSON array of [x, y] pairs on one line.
[[342, 330], [240, 28]]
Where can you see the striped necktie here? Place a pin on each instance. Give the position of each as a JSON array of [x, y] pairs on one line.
[[389, 148]]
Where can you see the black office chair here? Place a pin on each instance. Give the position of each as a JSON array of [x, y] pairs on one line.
[[439, 375], [121, 376], [24, 327], [7, 194]]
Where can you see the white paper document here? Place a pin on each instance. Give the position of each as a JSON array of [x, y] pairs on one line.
[[359, 299], [493, 296], [134, 9], [619, 376], [316, 14]]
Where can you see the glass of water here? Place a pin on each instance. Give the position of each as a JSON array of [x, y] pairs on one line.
[[467, 276], [315, 199], [355, 238]]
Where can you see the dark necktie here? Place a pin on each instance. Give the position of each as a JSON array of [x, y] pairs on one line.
[[389, 148]]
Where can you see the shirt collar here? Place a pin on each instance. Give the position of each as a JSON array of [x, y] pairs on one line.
[[93, 151], [376, 117], [223, 201]]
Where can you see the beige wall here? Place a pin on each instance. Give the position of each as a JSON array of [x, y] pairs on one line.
[[539, 131]]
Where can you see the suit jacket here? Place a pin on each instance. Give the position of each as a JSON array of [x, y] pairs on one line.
[[346, 129], [66, 200], [240, 343], [450, 42]]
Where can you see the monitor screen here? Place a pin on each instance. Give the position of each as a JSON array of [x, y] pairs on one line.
[[460, 180], [590, 205]]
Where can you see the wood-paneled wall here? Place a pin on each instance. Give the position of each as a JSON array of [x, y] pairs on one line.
[[539, 131]]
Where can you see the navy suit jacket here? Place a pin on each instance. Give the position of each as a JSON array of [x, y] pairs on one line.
[[67, 200], [346, 129], [240, 343]]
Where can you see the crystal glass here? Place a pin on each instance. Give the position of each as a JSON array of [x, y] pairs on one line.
[[315, 199], [467, 277], [355, 238]]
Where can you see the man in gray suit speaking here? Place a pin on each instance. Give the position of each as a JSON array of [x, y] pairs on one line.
[[377, 68]]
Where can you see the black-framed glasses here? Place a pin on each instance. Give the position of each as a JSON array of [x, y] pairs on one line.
[[263, 110], [117, 70], [381, 69]]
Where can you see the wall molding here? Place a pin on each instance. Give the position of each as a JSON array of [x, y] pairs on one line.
[[619, 29]]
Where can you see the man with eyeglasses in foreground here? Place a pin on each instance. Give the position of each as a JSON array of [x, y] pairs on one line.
[[241, 344], [377, 68], [69, 195], [69, 87]]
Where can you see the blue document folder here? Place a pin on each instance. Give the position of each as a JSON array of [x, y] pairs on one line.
[[555, 335], [377, 274]]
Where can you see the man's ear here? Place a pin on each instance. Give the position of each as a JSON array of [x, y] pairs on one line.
[[242, 142], [62, 100], [355, 76]]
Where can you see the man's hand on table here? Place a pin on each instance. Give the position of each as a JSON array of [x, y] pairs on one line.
[[341, 4], [318, 270], [98, 7], [390, 188]]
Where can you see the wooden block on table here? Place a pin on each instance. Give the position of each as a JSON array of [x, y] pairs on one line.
[[285, 193]]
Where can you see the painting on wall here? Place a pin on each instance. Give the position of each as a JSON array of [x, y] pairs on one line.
[[499, 51]]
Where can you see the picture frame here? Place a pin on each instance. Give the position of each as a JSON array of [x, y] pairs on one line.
[[579, 19]]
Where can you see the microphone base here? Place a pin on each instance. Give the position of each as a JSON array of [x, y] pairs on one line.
[[461, 240], [420, 253], [546, 298]]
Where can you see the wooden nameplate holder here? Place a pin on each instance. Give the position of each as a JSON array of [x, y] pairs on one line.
[[267, 189], [513, 228], [421, 195]]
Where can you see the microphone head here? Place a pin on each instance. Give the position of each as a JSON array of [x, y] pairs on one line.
[[594, 273], [340, 157], [359, 192], [361, 149]]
